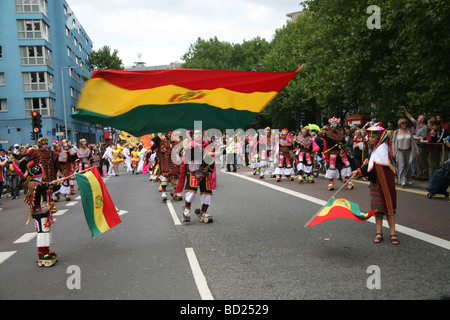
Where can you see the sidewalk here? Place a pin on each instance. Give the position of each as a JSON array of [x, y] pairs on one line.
[[416, 185]]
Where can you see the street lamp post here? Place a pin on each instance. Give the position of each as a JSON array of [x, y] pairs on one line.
[[64, 100]]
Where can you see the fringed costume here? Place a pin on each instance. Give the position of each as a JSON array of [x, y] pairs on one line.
[[307, 147], [38, 199], [285, 156], [336, 152], [196, 174]]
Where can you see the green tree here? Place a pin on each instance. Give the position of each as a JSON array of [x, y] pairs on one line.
[[403, 62], [213, 54], [350, 68], [103, 59]]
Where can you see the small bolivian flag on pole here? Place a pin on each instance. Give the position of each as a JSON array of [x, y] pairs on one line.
[[339, 208], [99, 210]]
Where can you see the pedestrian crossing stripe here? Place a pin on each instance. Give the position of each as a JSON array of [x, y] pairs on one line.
[[6, 255]]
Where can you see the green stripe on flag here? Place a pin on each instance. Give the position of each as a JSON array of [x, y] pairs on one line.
[[147, 119], [86, 194]]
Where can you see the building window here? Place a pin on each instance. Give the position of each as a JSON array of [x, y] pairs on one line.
[[79, 62], [1, 52], [32, 29], [3, 105], [45, 106], [2, 79], [31, 6], [37, 81], [35, 55]]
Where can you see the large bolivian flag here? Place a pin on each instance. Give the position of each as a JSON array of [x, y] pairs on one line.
[[99, 210], [339, 208], [142, 102]]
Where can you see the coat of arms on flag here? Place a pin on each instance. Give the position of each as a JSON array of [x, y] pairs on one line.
[[99, 210]]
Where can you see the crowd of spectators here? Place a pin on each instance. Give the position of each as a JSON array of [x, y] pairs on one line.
[[420, 145]]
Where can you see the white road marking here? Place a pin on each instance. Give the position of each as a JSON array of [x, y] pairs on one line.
[[60, 212], [71, 204], [6, 255], [199, 277], [176, 221], [27, 237], [408, 231]]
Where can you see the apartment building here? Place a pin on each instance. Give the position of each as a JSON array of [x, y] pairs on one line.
[[43, 49]]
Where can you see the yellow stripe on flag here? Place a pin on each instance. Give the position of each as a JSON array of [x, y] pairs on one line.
[[97, 199], [101, 97]]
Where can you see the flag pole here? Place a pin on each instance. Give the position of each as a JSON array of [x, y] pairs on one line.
[[73, 175], [332, 197]]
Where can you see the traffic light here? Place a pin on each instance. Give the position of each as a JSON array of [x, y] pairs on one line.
[[302, 116], [36, 122]]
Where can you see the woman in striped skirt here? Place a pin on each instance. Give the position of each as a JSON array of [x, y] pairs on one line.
[[380, 170]]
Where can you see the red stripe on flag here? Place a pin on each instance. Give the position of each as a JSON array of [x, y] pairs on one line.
[[194, 79]]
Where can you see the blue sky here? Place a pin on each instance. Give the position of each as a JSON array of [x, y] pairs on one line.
[[163, 30]]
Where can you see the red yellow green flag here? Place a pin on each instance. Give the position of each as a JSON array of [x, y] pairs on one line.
[[339, 208], [142, 102], [99, 210]]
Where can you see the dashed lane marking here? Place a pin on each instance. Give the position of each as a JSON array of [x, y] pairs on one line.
[[199, 277], [6, 255], [27, 237], [71, 204], [176, 221], [60, 212]]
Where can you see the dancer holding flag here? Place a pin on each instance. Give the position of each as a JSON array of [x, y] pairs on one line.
[[380, 170], [38, 199]]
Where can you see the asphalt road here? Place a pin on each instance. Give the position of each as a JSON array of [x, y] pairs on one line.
[[256, 249]]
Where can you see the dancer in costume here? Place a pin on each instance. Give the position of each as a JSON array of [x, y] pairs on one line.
[[380, 170], [195, 174], [66, 170], [48, 159], [39, 201], [117, 159], [142, 152], [134, 159], [83, 154], [127, 157], [286, 159], [337, 155], [156, 140], [169, 172], [307, 148], [253, 155], [265, 152]]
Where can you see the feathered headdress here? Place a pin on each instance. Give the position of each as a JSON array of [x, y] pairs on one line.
[[334, 122]]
